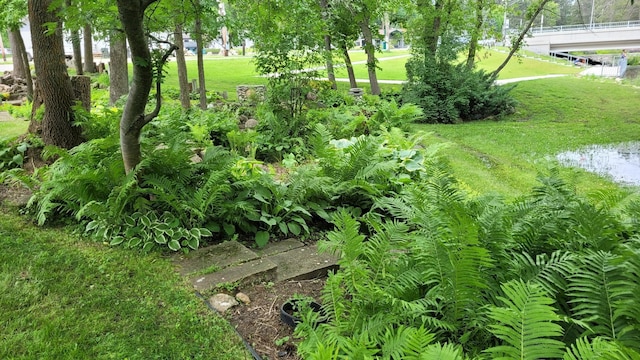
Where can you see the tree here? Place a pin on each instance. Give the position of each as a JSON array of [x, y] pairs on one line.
[[118, 68], [11, 18], [132, 14], [53, 80], [87, 39]]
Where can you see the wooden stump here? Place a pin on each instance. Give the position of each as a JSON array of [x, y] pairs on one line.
[[82, 90]]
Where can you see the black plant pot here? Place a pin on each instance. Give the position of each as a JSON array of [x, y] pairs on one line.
[[289, 308]]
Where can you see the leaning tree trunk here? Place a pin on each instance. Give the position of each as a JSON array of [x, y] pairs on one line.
[[24, 59], [516, 45], [183, 80], [53, 80], [19, 69], [89, 65], [131, 13], [199, 48], [118, 68], [371, 56], [349, 65]]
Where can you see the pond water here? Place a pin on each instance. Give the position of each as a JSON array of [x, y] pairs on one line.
[[620, 162]]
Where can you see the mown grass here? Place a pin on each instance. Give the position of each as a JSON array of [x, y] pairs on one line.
[[64, 298], [553, 115]]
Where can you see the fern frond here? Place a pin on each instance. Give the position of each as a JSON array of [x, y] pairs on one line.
[[597, 288], [550, 272], [526, 324], [595, 349]]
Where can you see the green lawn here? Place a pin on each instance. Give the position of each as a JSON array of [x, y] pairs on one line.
[[554, 115], [64, 298]]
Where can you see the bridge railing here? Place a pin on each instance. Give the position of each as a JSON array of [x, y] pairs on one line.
[[599, 26]]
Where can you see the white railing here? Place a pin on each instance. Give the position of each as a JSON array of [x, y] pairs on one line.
[[587, 27]]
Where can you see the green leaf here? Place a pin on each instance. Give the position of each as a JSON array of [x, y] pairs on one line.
[[195, 233], [145, 220], [92, 225], [295, 228], [174, 245], [18, 159], [205, 232], [117, 240], [134, 241], [160, 239], [194, 243], [129, 221], [229, 229], [22, 147], [262, 238], [283, 227], [269, 221]]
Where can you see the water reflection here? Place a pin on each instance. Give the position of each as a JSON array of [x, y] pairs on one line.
[[620, 162]]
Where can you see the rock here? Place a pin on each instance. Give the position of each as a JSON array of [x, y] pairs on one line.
[[243, 298], [251, 92], [312, 96], [223, 302], [250, 124]]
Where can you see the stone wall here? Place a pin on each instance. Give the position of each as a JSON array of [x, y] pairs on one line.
[[254, 93]]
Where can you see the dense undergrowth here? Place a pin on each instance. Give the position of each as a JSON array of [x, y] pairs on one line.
[[426, 270]]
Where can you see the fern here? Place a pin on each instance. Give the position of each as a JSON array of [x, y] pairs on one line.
[[596, 349], [597, 288], [526, 324], [550, 272]]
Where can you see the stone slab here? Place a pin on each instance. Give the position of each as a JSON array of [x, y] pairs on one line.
[[302, 264], [219, 256], [259, 270], [278, 247]]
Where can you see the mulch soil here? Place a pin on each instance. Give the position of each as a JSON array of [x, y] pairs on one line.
[[259, 321]]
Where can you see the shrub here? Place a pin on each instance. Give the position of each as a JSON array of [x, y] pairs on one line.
[[452, 93]]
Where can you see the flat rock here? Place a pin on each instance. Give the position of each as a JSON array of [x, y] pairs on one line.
[[223, 302], [278, 247], [220, 256], [302, 264], [254, 271]]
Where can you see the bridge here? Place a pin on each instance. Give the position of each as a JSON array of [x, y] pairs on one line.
[[615, 35]]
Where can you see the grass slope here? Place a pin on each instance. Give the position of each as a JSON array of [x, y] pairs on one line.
[[66, 299], [554, 115]]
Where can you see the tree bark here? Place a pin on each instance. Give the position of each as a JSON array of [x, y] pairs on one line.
[[371, 56], [53, 79], [118, 68], [89, 65], [19, 69], [327, 48], [198, 33], [131, 13], [183, 79], [81, 86], [349, 65], [475, 36], [77, 51]]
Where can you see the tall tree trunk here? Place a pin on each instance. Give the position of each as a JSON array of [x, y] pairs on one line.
[[19, 69], [53, 80], [370, 49], [435, 31], [349, 65], [198, 31], [118, 68], [327, 48], [475, 36], [183, 79], [77, 51], [89, 65], [77, 48]]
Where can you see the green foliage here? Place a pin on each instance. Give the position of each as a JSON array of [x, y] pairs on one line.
[[452, 93], [527, 324], [12, 154]]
